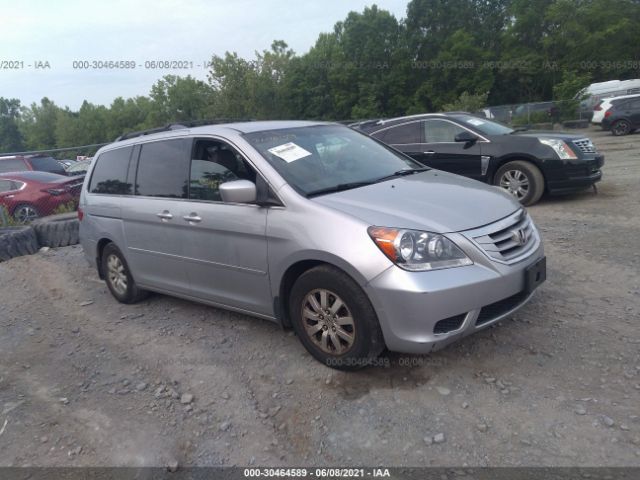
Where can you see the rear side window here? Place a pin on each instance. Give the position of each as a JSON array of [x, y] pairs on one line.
[[12, 165], [46, 164], [6, 186], [402, 134], [163, 169], [110, 173]]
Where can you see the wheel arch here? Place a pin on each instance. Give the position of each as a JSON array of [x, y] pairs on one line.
[[100, 246], [294, 271], [512, 157]]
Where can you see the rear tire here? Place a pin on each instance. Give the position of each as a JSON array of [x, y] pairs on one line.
[[620, 128], [118, 276], [345, 334], [25, 213], [521, 179]]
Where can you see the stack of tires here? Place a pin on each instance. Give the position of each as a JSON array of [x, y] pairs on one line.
[[53, 231]]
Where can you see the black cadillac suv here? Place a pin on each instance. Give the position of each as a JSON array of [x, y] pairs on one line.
[[525, 163]]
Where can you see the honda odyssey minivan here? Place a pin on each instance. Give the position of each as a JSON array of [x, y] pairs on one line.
[[312, 225]]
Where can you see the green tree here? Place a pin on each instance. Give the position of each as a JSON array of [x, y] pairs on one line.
[[10, 136], [38, 125]]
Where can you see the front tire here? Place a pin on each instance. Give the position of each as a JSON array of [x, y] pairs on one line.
[[521, 179], [118, 276], [334, 319], [620, 128]]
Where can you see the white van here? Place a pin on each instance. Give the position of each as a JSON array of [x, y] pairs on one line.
[[613, 88]]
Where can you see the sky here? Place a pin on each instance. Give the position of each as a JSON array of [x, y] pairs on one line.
[[40, 40]]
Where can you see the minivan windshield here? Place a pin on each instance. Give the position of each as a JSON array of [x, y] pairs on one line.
[[487, 127], [328, 158]]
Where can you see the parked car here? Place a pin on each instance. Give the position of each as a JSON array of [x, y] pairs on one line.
[[623, 117], [29, 195], [78, 168], [599, 91], [540, 112], [314, 226], [38, 163], [603, 105], [66, 163], [524, 163]]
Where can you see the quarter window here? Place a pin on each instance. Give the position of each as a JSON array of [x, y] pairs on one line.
[[163, 169], [110, 173], [440, 131], [401, 134]]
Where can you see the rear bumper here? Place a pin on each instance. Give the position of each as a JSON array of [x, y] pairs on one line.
[[424, 311]]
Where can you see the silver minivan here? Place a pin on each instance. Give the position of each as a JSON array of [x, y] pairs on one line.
[[314, 226]]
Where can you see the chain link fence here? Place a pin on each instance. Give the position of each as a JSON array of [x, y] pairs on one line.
[[566, 113]]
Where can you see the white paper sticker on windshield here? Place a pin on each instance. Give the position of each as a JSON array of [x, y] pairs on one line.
[[475, 122], [289, 152]]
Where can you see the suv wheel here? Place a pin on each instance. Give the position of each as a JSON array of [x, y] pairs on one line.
[[334, 319], [118, 276], [621, 127], [521, 179]]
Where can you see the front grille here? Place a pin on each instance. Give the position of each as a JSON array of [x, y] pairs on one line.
[[494, 310], [585, 145], [449, 324], [509, 239]]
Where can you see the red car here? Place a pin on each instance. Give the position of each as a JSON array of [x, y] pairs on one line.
[[29, 195], [38, 163]]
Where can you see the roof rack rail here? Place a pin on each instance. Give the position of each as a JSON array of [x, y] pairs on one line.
[[181, 125], [365, 123], [166, 128]]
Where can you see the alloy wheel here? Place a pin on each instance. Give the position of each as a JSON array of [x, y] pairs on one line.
[[25, 214], [516, 183], [328, 322], [116, 274], [621, 128]]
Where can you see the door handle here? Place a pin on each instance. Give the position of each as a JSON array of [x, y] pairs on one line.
[[164, 215], [193, 217], [429, 152]]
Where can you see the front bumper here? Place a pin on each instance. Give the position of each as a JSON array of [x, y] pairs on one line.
[[575, 175], [424, 311]]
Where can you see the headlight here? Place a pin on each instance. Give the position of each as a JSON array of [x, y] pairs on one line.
[[560, 147], [418, 251]]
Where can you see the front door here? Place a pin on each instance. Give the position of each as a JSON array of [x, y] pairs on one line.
[[441, 151], [225, 244]]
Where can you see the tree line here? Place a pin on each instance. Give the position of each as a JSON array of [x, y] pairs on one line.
[[444, 54]]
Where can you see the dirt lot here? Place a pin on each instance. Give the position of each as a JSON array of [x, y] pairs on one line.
[[87, 381]]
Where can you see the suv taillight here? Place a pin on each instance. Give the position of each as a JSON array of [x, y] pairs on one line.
[[80, 214], [607, 114]]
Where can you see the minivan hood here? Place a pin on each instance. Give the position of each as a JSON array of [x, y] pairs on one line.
[[434, 201]]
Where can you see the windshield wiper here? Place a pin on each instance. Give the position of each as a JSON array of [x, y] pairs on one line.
[[520, 129], [339, 188], [403, 173]]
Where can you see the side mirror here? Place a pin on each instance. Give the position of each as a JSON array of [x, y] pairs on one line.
[[238, 191], [466, 137]]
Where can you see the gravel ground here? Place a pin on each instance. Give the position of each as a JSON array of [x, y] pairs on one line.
[[85, 381]]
